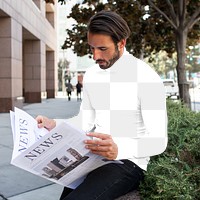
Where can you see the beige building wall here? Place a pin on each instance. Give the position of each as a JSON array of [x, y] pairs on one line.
[[27, 52]]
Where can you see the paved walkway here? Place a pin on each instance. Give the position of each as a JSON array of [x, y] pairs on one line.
[[15, 183]]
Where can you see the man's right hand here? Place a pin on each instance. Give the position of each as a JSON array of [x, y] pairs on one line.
[[45, 122]]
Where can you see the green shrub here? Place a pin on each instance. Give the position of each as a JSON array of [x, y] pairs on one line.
[[175, 174]]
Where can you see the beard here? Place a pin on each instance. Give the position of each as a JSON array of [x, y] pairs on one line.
[[105, 64]]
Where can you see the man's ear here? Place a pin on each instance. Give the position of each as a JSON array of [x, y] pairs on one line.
[[121, 44]]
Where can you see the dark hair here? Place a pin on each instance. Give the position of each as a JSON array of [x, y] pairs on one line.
[[109, 23]]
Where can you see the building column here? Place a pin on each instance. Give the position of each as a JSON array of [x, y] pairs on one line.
[[50, 74], [34, 70], [10, 64]]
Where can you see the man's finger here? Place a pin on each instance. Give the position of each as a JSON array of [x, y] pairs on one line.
[[104, 142], [98, 148], [99, 135]]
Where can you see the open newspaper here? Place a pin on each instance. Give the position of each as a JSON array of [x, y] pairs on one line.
[[59, 155]]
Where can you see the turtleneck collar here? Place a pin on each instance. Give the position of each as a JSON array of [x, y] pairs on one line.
[[115, 66]]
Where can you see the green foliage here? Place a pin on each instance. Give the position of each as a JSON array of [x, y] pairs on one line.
[[148, 34], [169, 25], [175, 174], [162, 63]]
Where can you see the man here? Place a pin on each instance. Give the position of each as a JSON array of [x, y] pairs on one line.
[[129, 127], [78, 90], [69, 89]]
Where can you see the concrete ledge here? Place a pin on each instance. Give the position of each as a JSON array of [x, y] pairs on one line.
[[134, 195]]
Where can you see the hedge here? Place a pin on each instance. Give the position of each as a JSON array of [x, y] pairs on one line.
[[175, 174]]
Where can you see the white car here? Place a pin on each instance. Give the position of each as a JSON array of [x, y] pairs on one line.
[[171, 88]]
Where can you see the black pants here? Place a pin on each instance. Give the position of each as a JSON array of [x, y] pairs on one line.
[[107, 182], [69, 93]]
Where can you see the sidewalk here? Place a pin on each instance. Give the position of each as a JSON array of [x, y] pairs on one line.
[[15, 183]]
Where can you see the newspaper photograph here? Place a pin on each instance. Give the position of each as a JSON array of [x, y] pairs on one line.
[[58, 155]]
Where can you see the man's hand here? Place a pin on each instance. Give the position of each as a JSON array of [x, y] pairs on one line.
[[103, 145], [45, 122]]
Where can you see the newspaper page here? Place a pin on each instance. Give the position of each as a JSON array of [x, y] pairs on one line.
[[59, 155], [27, 131]]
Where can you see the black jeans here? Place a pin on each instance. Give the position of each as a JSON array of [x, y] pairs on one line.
[[107, 182]]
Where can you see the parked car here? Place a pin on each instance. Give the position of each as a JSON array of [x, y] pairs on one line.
[[192, 83], [171, 88]]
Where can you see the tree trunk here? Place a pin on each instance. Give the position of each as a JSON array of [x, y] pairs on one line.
[[181, 37]]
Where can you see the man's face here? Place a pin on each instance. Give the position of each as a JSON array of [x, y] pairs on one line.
[[104, 50]]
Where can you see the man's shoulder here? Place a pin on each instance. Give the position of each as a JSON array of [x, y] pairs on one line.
[[139, 68], [146, 72]]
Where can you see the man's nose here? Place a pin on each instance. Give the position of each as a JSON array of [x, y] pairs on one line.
[[96, 54]]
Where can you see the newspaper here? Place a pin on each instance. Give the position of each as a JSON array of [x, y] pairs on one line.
[[59, 155]]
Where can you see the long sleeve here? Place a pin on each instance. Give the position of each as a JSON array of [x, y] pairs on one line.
[[128, 102], [149, 137]]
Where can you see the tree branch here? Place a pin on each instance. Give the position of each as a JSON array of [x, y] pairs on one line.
[[162, 13], [173, 14], [194, 19], [181, 10], [184, 9]]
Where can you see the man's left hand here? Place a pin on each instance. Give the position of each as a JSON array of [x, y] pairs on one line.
[[103, 145]]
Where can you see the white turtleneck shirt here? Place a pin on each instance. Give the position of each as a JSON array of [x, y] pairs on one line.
[[128, 102]]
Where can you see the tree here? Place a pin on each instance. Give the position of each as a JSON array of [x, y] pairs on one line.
[[168, 25], [162, 63], [77, 37], [63, 68], [182, 15]]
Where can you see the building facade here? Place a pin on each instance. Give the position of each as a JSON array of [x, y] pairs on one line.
[[28, 58]]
